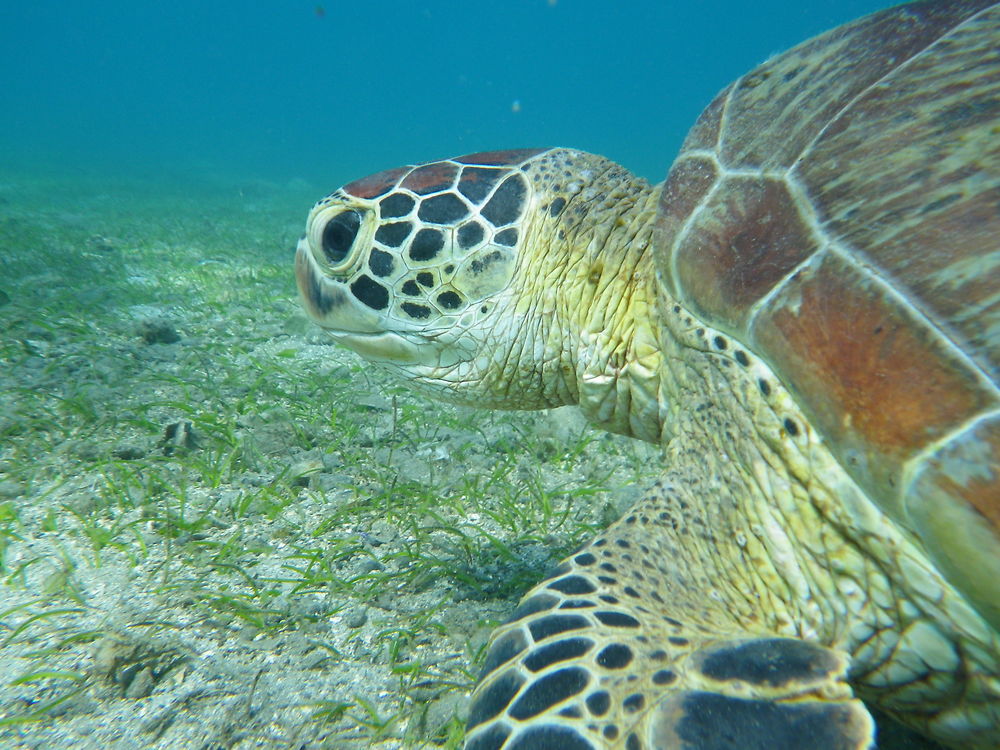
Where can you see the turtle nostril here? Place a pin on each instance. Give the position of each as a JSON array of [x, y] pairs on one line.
[[339, 234]]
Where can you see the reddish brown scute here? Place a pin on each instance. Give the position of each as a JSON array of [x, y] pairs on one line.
[[377, 184], [838, 210], [508, 158], [433, 177]]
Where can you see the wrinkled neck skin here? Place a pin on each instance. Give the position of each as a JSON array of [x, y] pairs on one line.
[[579, 326]]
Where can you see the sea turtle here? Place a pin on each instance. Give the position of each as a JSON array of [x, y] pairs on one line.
[[806, 315]]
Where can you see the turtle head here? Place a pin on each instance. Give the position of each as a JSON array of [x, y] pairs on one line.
[[407, 266], [480, 278]]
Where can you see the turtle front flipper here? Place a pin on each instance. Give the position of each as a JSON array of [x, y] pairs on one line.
[[762, 692], [624, 647]]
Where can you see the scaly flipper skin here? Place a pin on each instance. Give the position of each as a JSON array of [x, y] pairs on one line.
[[604, 654], [806, 316]]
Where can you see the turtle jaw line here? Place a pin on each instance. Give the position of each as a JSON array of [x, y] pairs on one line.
[[422, 354], [387, 347]]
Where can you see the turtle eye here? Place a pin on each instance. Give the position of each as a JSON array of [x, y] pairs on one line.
[[339, 235]]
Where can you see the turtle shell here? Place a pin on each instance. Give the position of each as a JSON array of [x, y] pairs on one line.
[[838, 210]]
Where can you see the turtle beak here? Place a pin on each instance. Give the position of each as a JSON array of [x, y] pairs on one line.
[[332, 306], [328, 301], [319, 297]]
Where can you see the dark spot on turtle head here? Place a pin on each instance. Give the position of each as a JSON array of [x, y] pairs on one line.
[[426, 244], [556, 206], [508, 237], [380, 262], [764, 386], [507, 203], [393, 235], [470, 234], [425, 278], [477, 182], [720, 343], [370, 292], [791, 428], [585, 559], [482, 262], [411, 289], [449, 300], [417, 312], [446, 208], [395, 205], [741, 357]]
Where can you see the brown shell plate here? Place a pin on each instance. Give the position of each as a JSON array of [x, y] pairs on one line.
[[838, 210]]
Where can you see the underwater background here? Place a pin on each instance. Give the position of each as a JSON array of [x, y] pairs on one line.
[[331, 90], [216, 528]]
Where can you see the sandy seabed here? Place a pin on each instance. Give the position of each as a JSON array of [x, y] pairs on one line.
[[217, 530]]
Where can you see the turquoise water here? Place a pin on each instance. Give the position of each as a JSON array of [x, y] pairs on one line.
[[328, 90], [184, 454]]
